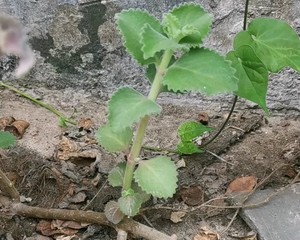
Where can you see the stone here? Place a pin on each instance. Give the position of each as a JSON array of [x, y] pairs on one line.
[[277, 219], [75, 39]]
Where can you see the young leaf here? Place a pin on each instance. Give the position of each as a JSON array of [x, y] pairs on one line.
[[116, 175], [130, 205], [154, 42], [113, 212], [188, 131], [188, 148], [114, 141], [201, 70], [188, 24], [275, 43], [127, 106], [130, 23], [6, 140], [157, 176], [252, 75]]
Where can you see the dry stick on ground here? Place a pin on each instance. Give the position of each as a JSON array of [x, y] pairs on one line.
[[8, 187], [13, 205], [129, 225]]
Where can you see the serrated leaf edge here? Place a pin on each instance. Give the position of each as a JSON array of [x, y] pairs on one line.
[[211, 50], [195, 5], [140, 116], [120, 32], [157, 194], [101, 139]]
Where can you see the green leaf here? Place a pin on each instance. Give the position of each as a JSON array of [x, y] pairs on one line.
[[275, 43], [113, 212], [157, 176], [130, 205], [201, 70], [154, 42], [188, 148], [114, 141], [252, 75], [130, 23], [187, 24], [127, 106], [6, 140], [188, 131], [62, 123], [116, 175], [142, 194]]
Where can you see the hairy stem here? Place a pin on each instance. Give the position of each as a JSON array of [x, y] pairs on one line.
[[44, 105], [140, 133]]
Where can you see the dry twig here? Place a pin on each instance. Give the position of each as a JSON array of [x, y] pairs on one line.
[[128, 225]]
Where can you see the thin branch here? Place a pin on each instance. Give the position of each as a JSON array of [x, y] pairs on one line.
[[231, 221], [223, 125], [128, 225], [122, 235], [156, 149], [90, 202], [8, 187], [218, 157]]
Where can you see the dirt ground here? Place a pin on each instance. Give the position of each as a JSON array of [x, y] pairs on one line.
[[48, 176]]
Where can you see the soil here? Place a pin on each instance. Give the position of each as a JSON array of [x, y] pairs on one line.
[[250, 145]]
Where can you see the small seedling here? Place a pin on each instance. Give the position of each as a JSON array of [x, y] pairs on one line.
[[176, 61]]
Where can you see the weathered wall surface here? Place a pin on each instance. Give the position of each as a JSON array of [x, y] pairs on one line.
[[78, 47]]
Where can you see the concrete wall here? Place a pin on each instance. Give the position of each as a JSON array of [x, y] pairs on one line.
[[78, 47]]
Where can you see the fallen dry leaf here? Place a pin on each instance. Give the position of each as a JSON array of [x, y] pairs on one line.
[[5, 121], [289, 172], [180, 163], [78, 198], [176, 217], [71, 150], [68, 224], [203, 118], [193, 195], [86, 123], [17, 128], [206, 234], [242, 185], [54, 227]]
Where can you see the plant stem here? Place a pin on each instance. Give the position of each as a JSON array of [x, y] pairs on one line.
[[223, 125], [140, 133], [245, 15], [44, 105]]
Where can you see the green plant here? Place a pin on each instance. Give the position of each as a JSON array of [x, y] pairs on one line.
[[176, 62], [6, 140]]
